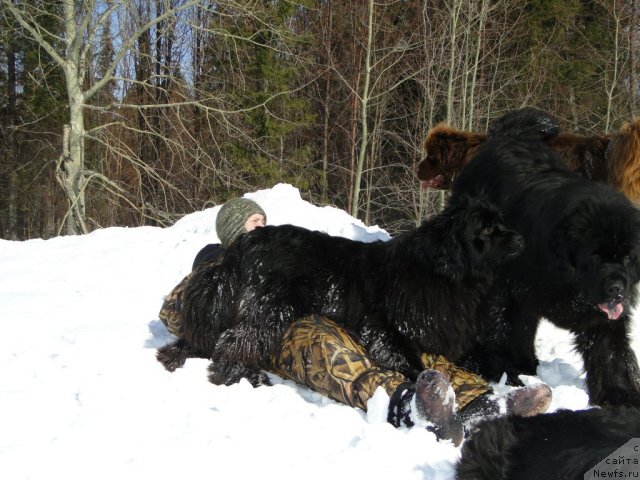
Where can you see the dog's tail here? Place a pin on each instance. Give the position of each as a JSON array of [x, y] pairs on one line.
[[529, 123]]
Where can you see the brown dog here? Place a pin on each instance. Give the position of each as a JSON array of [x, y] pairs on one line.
[[611, 158]]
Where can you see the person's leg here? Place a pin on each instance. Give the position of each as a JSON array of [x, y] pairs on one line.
[[429, 402], [523, 402], [171, 314], [320, 354], [467, 385], [475, 398]]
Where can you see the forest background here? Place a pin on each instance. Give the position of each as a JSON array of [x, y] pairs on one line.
[[136, 112]]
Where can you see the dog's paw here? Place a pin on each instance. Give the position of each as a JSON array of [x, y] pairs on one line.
[[230, 373], [173, 356], [259, 379]]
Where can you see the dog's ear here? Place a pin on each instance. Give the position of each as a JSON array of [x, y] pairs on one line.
[[456, 147], [448, 145], [562, 250], [448, 261]]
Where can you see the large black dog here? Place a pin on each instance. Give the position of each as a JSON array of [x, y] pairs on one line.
[[579, 269], [563, 445], [417, 292]]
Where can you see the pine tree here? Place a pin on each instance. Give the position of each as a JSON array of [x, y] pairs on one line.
[[34, 90], [257, 67]]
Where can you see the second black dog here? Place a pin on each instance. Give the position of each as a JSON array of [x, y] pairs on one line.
[[579, 270], [562, 445]]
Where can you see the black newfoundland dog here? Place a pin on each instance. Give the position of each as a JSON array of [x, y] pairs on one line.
[[417, 292], [563, 445], [579, 269]]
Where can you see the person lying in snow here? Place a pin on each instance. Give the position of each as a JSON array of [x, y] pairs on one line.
[[237, 216], [320, 354]]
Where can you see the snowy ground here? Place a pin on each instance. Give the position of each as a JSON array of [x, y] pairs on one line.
[[82, 396]]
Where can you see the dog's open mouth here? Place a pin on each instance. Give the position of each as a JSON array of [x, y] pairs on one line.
[[612, 309], [437, 183]]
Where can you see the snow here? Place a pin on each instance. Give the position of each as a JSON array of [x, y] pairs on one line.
[[82, 396]]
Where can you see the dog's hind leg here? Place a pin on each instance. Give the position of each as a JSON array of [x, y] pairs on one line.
[[239, 353], [261, 317], [247, 344]]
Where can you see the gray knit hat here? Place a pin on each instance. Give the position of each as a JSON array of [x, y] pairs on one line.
[[232, 217]]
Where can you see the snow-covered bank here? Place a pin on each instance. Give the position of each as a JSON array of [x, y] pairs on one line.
[[82, 396]]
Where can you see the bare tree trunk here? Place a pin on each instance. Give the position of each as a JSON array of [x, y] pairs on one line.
[[73, 167], [574, 111], [326, 106], [12, 147], [81, 23], [325, 142], [198, 60], [476, 63], [373, 161], [453, 34], [364, 104], [633, 40], [352, 149], [465, 60], [70, 175], [616, 56]]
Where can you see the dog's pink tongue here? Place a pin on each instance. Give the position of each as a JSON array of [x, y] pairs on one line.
[[613, 310]]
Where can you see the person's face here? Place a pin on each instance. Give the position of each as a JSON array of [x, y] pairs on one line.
[[254, 221]]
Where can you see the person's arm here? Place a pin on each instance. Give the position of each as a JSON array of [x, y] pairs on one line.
[[207, 254]]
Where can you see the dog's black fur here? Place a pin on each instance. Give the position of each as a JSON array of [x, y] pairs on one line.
[[579, 269], [414, 293], [563, 445]]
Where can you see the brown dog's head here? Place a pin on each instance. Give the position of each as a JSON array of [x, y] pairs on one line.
[[447, 151]]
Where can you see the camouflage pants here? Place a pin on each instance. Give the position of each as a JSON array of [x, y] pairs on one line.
[[171, 313], [318, 353], [467, 385]]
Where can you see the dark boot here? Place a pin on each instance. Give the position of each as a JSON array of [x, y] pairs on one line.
[[523, 402], [529, 401], [429, 402]]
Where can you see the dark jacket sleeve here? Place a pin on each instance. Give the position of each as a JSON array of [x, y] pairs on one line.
[[207, 254]]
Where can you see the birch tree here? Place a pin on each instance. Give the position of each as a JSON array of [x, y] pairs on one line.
[[364, 112], [82, 20], [384, 50]]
